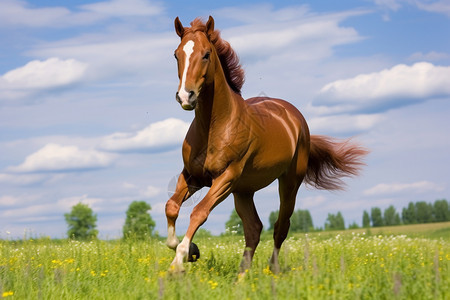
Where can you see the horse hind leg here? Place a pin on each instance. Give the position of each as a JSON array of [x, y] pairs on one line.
[[288, 187], [245, 207]]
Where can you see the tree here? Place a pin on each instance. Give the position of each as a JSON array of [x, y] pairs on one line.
[[272, 219], [424, 212], [301, 221], [441, 211], [376, 217], [390, 216], [353, 225], [366, 219], [409, 214], [335, 222], [81, 222], [234, 224], [138, 224]]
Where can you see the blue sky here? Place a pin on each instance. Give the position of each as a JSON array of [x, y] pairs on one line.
[[88, 113]]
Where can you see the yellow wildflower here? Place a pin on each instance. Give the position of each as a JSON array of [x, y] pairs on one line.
[[7, 294], [213, 284]]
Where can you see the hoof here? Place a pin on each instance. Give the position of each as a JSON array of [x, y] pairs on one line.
[[194, 253]]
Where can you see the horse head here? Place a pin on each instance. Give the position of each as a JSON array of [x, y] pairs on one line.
[[195, 56]]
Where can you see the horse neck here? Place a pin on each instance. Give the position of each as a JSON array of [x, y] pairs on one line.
[[218, 104]]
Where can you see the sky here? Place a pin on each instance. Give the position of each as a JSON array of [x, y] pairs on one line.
[[88, 111]]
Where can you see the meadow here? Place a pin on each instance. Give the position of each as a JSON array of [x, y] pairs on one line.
[[411, 263]]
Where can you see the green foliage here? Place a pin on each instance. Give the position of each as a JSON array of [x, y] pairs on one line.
[[391, 217], [409, 214], [272, 219], [81, 222], [354, 225], [376, 217], [203, 233], [335, 222], [234, 224], [138, 223], [366, 219], [424, 212], [441, 211], [301, 221]]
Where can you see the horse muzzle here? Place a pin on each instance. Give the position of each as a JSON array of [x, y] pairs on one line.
[[187, 100]]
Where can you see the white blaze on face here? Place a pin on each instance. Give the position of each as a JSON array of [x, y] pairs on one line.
[[182, 93]]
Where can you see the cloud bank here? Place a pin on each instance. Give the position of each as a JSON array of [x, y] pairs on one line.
[[20, 13], [57, 158], [376, 92], [39, 75], [160, 136], [397, 188]]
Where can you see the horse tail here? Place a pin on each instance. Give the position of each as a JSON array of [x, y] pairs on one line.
[[330, 160]]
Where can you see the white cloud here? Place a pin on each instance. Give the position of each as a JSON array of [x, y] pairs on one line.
[[57, 158], [66, 204], [6, 201], [441, 6], [118, 55], [39, 75], [395, 188], [339, 124], [47, 211], [311, 201], [150, 192], [399, 86], [390, 4], [118, 8], [158, 208], [21, 179], [21, 13], [290, 31], [430, 56], [159, 136], [13, 12], [50, 73]]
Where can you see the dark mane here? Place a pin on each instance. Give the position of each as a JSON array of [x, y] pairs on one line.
[[228, 58]]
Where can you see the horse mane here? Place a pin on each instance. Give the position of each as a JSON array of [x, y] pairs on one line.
[[228, 58]]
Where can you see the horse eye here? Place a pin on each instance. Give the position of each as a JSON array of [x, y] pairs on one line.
[[206, 56], [175, 56]]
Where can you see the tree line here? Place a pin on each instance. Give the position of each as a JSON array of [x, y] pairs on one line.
[[415, 213], [139, 224], [82, 222]]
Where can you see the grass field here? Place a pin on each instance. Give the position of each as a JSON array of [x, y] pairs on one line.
[[405, 262]]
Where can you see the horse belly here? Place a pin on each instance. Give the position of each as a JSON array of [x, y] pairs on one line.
[[266, 166]]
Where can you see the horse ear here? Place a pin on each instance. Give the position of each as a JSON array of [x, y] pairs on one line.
[[210, 26], [179, 27]]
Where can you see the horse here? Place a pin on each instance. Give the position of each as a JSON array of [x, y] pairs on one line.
[[236, 146]]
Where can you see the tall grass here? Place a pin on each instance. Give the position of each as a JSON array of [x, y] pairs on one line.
[[342, 266]]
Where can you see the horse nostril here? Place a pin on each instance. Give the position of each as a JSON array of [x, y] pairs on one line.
[[191, 93], [177, 97]]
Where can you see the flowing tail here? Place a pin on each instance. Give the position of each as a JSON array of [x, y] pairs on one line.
[[330, 159]]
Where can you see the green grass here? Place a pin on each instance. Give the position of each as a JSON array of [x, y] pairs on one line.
[[340, 265]]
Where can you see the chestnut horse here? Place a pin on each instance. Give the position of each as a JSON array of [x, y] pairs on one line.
[[240, 146]]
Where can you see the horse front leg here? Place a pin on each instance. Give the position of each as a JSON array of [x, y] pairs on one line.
[[220, 189], [185, 188]]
